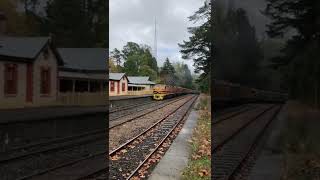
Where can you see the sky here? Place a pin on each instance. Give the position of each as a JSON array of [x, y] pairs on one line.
[[134, 21]]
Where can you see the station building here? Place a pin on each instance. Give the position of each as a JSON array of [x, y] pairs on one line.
[[34, 73], [118, 84], [29, 71], [84, 69], [121, 84], [140, 83]]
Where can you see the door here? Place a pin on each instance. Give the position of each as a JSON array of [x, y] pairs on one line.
[[29, 83], [118, 89]]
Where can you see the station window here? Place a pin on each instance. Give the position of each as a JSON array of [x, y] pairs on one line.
[[112, 86], [45, 81], [123, 86], [11, 78]]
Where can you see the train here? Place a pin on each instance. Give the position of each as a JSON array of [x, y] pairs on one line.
[[226, 94], [162, 91]]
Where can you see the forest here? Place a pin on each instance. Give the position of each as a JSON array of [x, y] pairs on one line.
[[71, 23], [137, 60]]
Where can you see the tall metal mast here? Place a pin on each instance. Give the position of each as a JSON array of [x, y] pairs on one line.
[[155, 38]]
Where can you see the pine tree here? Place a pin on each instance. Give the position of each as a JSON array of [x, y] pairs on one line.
[[116, 54], [167, 73], [199, 44], [70, 22]]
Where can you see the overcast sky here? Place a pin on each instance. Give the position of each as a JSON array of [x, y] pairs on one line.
[[133, 20]]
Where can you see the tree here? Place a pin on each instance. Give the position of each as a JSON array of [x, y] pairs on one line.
[[198, 47], [138, 60], [238, 54], [299, 57], [112, 67], [76, 23], [183, 75], [67, 20], [167, 73], [18, 24], [116, 54]]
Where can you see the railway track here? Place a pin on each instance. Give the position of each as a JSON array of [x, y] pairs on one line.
[[129, 157], [23, 162], [140, 107], [90, 164], [234, 140], [140, 112], [130, 106], [233, 112]]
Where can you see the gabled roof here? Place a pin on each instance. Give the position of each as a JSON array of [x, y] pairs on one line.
[[116, 76], [84, 58], [22, 47], [139, 80]]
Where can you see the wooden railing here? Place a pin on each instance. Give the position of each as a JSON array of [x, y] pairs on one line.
[[84, 98]]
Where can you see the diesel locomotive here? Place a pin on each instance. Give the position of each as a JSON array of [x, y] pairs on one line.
[[162, 91]]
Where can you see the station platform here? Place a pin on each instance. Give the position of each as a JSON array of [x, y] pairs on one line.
[[115, 98], [46, 113]]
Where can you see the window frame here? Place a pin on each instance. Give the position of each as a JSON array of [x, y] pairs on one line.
[[123, 87], [112, 86], [45, 84], [11, 88]]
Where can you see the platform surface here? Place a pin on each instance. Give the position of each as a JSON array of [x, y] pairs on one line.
[[43, 113], [176, 158], [269, 164], [114, 98]]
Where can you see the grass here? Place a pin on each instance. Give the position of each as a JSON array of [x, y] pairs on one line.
[[301, 144], [199, 165]]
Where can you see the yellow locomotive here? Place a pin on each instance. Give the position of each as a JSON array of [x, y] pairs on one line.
[[162, 91]]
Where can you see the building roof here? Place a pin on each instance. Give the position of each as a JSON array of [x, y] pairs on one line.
[[139, 80], [84, 58], [116, 76], [22, 47], [135, 85], [82, 75]]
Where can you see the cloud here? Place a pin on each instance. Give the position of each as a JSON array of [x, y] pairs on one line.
[[134, 21]]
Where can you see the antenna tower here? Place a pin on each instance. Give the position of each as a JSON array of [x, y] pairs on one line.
[[155, 38]]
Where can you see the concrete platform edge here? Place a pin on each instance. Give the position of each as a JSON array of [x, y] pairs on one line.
[[269, 163], [177, 156]]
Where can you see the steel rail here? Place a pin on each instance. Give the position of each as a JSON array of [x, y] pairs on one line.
[[145, 131], [256, 141], [131, 119], [215, 149], [233, 114], [161, 142], [47, 150], [155, 104]]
